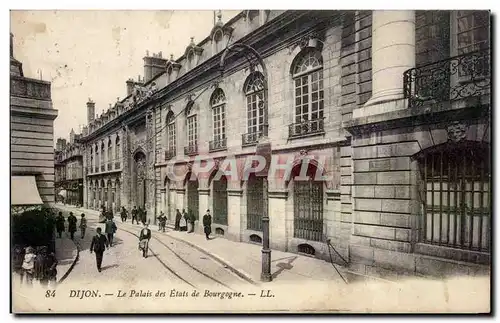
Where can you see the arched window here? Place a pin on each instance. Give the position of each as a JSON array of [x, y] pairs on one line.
[[103, 153], [192, 130], [218, 105], [171, 147], [456, 195], [307, 75], [218, 37], [110, 154], [254, 92], [117, 152]]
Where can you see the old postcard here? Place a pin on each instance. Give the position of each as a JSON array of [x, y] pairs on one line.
[[255, 161]]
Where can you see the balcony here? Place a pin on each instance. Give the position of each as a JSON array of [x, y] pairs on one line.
[[250, 139], [216, 145], [110, 166], [29, 88], [170, 153], [103, 168], [117, 165], [191, 150], [96, 169], [463, 77], [306, 128]]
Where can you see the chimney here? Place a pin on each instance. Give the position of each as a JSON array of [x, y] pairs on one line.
[[153, 66], [72, 136], [130, 86], [90, 111], [11, 45]]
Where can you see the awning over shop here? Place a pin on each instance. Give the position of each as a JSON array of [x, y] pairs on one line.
[[23, 191]]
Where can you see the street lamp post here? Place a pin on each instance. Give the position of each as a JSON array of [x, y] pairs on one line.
[[263, 149]]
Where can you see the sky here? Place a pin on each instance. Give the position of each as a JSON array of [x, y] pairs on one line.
[[91, 54]]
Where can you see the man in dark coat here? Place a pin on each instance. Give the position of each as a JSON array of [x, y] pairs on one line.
[[72, 224], [162, 221], [191, 219], [134, 215], [144, 238], [98, 245], [110, 229], [45, 267], [207, 224], [178, 217], [60, 224], [124, 214]]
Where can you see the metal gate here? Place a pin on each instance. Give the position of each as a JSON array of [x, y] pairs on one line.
[[456, 196], [255, 203], [308, 210], [192, 202], [220, 201]]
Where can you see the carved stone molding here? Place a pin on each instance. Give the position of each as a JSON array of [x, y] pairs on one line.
[[203, 191], [281, 194], [457, 131]]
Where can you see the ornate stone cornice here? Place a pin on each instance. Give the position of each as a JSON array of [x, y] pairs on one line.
[[203, 191], [233, 192], [281, 194]]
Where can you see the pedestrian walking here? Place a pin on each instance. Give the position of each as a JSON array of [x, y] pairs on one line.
[[83, 225], [207, 224], [191, 221], [60, 224], [178, 217], [72, 225], [144, 216], [134, 215], [28, 267], [183, 222], [46, 267], [110, 229], [124, 214], [162, 221], [144, 238], [98, 245]]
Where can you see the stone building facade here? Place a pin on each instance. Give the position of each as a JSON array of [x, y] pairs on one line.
[[371, 101], [32, 137], [69, 170]]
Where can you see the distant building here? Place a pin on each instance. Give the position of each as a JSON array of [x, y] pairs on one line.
[[32, 137], [398, 102], [69, 170]]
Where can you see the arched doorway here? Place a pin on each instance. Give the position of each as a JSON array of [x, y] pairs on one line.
[[219, 201], [191, 185], [140, 179], [307, 203]]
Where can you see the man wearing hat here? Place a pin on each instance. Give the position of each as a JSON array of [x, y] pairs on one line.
[[98, 245]]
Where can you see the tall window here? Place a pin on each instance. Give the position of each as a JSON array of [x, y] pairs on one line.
[[308, 80], [456, 195], [103, 153], [97, 160], [110, 154], [117, 152], [91, 160], [254, 91], [171, 133], [218, 103], [472, 31]]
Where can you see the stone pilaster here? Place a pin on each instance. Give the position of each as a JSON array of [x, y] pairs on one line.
[[126, 169], [277, 219], [234, 214], [149, 147]]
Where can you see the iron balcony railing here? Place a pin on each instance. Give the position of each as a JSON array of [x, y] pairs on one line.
[[219, 144], [169, 154], [102, 168], [110, 166], [251, 138], [308, 127], [96, 169], [191, 150], [117, 165], [455, 78]]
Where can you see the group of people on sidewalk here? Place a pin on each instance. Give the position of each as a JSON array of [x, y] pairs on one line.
[[72, 222], [39, 265], [137, 214]]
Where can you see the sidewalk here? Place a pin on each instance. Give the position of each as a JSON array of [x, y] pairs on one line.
[[246, 258], [66, 254]]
